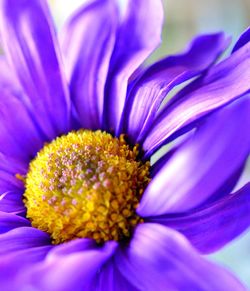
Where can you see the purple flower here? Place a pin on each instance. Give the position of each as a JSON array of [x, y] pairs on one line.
[[85, 184]]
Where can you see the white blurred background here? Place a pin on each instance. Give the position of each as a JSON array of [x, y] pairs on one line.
[[184, 19]]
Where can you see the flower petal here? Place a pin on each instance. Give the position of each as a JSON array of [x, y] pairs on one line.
[[110, 278], [159, 258], [11, 89], [30, 43], [202, 165], [222, 84], [13, 265], [172, 150], [9, 183], [21, 139], [87, 41], [22, 238], [8, 78], [11, 221], [12, 166], [11, 202], [138, 35], [152, 87], [228, 217], [77, 264], [228, 185], [243, 40], [11, 188]]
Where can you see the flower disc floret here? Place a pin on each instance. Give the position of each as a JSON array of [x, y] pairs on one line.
[[86, 185]]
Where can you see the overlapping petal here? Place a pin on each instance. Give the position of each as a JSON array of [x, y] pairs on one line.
[[152, 87], [8, 80], [160, 258], [30, 43], [110, 278], [213, 226], [87, 41], [11, 188], [22, 238], [12, 202], [20, 135], [15, 108], [228, 185], [10, 221], [9, 183], [138, 35], [77, 263], [12, 166], [223, 83], [202, 165], [13, 264]]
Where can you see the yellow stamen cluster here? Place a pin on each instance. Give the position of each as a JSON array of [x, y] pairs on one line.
[[85, 185]]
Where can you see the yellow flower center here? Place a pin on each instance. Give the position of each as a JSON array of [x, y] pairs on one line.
[[86, 185]]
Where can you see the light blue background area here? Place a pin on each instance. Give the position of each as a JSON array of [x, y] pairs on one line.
[[236, 257]]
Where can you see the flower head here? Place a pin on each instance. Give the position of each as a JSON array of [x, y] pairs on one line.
[[83, 206]]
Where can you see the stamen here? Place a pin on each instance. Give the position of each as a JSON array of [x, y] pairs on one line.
[[86, 184]]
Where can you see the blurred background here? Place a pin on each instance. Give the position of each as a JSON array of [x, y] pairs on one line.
[[183, 20]]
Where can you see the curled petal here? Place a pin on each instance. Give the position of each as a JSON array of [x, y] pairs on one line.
[[13, 265], [10, 221], [215, 225], [77, 262], [223, 83], [110, 278], [159, 258], [200, 167], [22, 238], [138, 35], [156, 81], [12, 202]]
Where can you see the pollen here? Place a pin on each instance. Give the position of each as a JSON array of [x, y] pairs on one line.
[[86, 185]]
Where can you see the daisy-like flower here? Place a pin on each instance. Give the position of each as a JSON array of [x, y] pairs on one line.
[[82, 207]]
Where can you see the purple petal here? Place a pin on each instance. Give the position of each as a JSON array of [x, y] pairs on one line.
[[137, 37], [222, 84], [22, 238], [11, 202], [12, 166], [8, 182], [10, 86], [8, 80], [110, 278], [11, 188], [228, 185], [159, 258], [21, 139], [243, 40], [77, 264], [11, 221], [228, 217], [152, 87], [202, 165], [13, 265], [30, 43], [163, 160], [87, 42]]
